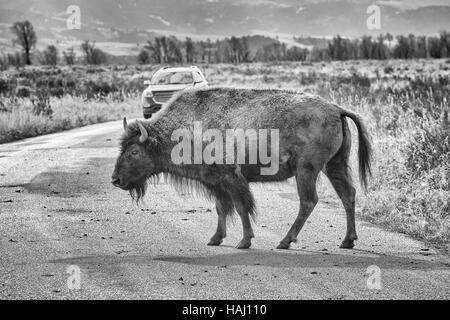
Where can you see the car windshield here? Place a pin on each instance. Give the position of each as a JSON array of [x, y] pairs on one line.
[[172, 78]]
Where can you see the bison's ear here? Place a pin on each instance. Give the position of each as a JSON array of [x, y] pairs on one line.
[[125, 125], [144, 133]]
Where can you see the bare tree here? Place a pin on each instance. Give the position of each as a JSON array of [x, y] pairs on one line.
[[25, 37]]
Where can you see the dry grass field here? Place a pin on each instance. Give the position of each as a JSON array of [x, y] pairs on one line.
[[404, 103]]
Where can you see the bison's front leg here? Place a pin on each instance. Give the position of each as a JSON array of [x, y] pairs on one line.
[[235, 194], [246, 241], [224, 207]]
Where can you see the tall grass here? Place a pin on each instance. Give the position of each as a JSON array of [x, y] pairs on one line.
[[40, 100], [68, 112]]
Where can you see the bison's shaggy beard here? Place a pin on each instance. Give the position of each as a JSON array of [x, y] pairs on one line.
[[181, 184], [137, 190]]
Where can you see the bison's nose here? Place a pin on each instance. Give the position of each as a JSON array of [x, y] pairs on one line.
[[115, 181]]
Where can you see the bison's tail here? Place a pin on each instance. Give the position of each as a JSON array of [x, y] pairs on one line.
[[364, 147]]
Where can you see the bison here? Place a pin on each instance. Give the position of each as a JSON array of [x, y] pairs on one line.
[[313, 136]]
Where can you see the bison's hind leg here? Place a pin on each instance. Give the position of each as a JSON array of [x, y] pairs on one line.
[[338, 172], [306, 177], [224, 207]]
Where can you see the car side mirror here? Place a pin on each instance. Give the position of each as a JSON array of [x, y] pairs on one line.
[[146, 82]]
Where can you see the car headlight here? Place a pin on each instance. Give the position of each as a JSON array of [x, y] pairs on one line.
[[147, 99]]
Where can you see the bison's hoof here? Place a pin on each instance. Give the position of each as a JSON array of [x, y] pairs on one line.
[[347, 244], [284, 245], [244, 244], [214, 242]]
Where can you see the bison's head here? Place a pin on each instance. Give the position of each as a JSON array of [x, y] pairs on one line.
[[134, 165]]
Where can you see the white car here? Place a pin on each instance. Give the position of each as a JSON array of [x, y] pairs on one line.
[[165, 82]]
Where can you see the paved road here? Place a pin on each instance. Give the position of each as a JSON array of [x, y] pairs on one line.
[[58, 210]]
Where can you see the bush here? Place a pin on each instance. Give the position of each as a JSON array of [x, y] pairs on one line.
[[4, 86], [15, 59], [69, 56], [3, 107], [41, 104], [23, 91], [4, 63], [92, 55], [53, 85], [143, 57], [99, 88], [50, 56], [388, 69]]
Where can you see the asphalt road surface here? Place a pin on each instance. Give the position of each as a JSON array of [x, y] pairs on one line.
[[67, 233]]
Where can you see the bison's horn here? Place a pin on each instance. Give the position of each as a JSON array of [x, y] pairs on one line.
[[144, 133], [125, 125]]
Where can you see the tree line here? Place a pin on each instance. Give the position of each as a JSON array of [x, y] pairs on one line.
[[388, 47], [25, 37], [169, 49], [237, 49]]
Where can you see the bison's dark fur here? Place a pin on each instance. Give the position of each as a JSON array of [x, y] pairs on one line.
[[314, 137]]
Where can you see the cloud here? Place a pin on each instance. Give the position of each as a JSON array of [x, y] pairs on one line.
[[278, 4], [412, 4], [160, 19]]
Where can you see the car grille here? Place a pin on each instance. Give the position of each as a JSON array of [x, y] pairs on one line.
[[162, 96]]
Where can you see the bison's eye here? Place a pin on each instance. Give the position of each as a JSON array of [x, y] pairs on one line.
[[135, 152]]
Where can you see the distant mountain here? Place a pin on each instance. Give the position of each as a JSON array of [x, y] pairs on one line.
[[135, 21]]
